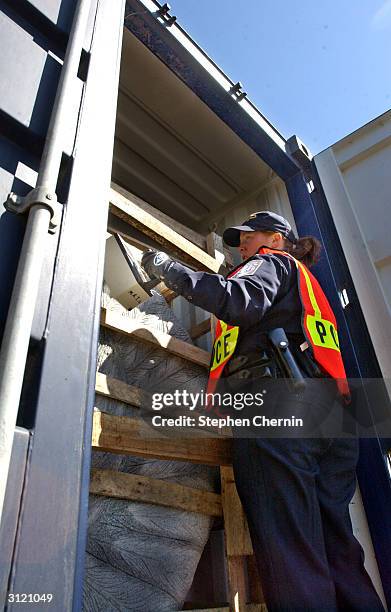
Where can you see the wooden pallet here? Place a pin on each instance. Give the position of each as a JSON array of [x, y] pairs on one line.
[[167, 233], [126, 435], [132, 436], [176, 347]]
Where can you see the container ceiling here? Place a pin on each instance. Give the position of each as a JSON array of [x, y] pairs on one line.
[[171, 149]]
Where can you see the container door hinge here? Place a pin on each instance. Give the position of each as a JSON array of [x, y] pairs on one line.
[[36, 197]]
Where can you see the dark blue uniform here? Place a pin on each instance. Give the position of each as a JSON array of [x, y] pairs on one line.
[[295, 492], [260, 299]]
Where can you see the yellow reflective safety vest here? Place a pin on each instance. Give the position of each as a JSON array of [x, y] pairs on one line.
[[319, 327]]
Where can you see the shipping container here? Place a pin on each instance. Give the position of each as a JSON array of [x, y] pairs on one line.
[[147, 108], [353, 173]]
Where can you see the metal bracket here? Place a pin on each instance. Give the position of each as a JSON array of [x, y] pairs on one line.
[[36, 197], [237, 91], [163, 12], [301, 154]]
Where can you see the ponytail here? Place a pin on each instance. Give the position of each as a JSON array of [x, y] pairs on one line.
[[307, 249]]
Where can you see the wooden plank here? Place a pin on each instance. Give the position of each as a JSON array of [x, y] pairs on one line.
[[215, 247], [237, 540], [237, 572], [167, 293], [127, 436], [254, 581], [137, 330], [130, 211], [119, 390], [125, 231], [237, 535], [200, 329], [135, 238], [153, 491], [183, 230], [212, 245]]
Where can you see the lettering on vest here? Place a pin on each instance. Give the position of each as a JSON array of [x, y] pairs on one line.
[[322, 332], [319, 324], [224, 345]]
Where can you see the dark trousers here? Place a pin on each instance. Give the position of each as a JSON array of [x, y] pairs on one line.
[[295, 493]]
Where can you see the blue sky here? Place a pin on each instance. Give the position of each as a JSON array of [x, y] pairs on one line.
[[316, 68]]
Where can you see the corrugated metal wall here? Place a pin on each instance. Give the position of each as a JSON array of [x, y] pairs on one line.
[[355, 177]]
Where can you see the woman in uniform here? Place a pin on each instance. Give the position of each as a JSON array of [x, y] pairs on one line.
[[295, 490]]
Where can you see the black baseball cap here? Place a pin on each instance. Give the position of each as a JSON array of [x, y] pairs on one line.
[[263, 221]]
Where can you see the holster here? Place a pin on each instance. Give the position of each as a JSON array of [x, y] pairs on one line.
[[245, 368], [278, 361]]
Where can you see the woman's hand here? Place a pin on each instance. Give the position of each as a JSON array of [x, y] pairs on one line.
[[155, 263]]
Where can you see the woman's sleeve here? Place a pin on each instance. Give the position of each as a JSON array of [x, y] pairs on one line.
[[242, 300]]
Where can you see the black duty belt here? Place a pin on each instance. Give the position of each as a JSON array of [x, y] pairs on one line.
[[243, 366], [276, 361]]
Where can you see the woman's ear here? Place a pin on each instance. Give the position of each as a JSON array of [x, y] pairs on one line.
[[277, 240]]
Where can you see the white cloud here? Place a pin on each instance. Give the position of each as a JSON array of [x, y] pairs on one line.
[[382, 18]]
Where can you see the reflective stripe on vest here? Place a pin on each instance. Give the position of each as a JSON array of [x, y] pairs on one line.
[[318, 323]]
